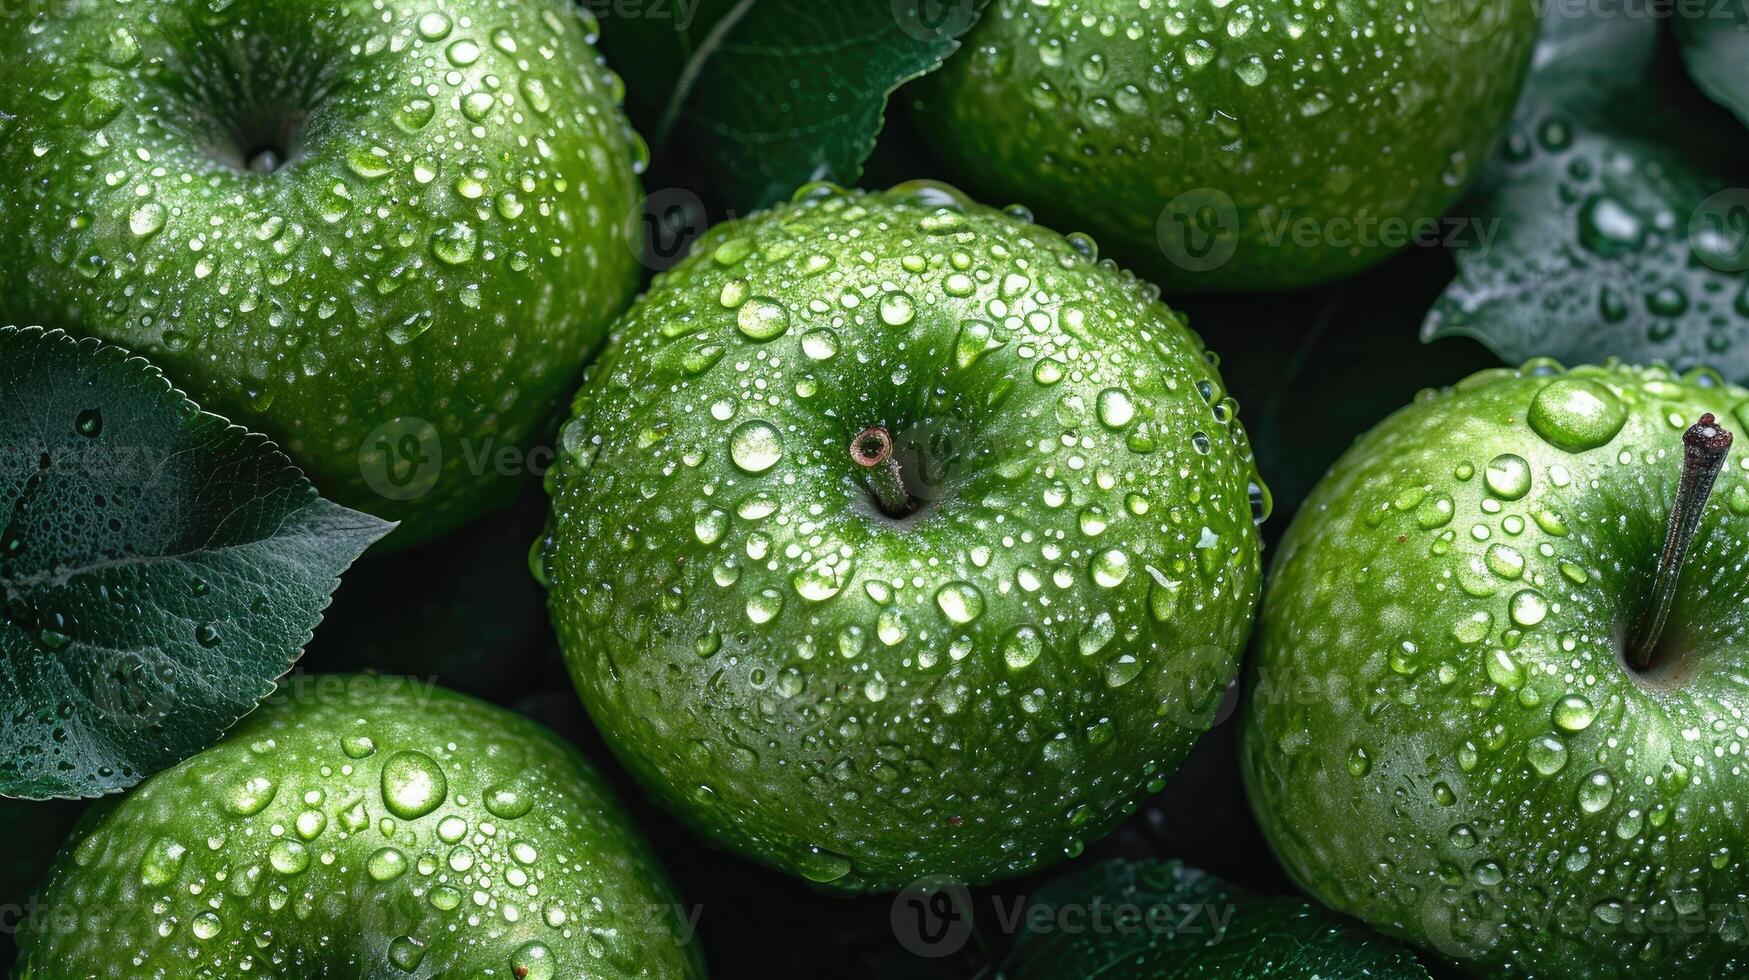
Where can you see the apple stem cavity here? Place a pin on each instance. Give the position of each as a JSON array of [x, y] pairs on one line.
[[1705, 445], [264, 161], [872, 449]]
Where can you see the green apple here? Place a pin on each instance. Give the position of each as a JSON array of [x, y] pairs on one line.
[[1498, 704], [363, 827], [1221, 145], [896, 536], [385, 235]]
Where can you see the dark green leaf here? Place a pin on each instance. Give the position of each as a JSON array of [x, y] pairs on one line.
[[1715, 46], [1621, 208], [1164, 921], [159, 567], [756, 97]]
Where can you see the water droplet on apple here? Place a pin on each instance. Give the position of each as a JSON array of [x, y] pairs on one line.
[[406, 953], [897, 309], [162, 862], [821, 865], [1573, 713], [755, 446], [1109, 568], [1115, 408], [1359, 761], [252, 796], [1546, 754], [1576, 415], [1529, 607], [1507, 476], [1596, 792], [960, 602], [1021, 647], [413, 784], [762, 319]]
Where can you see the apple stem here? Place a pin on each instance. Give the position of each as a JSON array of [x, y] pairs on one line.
[[1705, 445], [872, 449]]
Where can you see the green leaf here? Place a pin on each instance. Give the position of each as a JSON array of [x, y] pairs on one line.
[[1715, 47], [1164, 921], [159, 567], [1621, 209], [757, 97]]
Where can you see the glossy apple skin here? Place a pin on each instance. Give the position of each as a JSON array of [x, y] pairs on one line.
[[1441, 735], [445, 242], [290, 850], [1100, 115], [975, 691]]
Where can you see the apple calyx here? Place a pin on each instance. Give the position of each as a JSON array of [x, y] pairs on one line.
[[1705, 445], [872, 449]]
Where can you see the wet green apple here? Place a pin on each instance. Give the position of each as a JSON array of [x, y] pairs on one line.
[[1499, 702], [363, 827], [386, 235], [896, 536], [1221, 145]]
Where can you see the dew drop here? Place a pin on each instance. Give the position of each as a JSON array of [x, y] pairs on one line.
[[1546, 754], [762, 319], [1359, 761], [822, 865], [386, 864], [1109, 568], [358, 746], [206, 925], [413, 785], [1021, 647], [1529, 607], [252, 796], [406, 953], [288, 857], [147, 219], [1596, 791], [162, 862], [1576, 415], [960, 602], [1098, 635], [897, 309], [1573, 713], [533, 961], [1507, 476], [755, 446], [1116, 410], [820, 345], [508, 802]]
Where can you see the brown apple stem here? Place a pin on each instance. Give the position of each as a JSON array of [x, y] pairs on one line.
[[872, 449], [1704, 445]]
